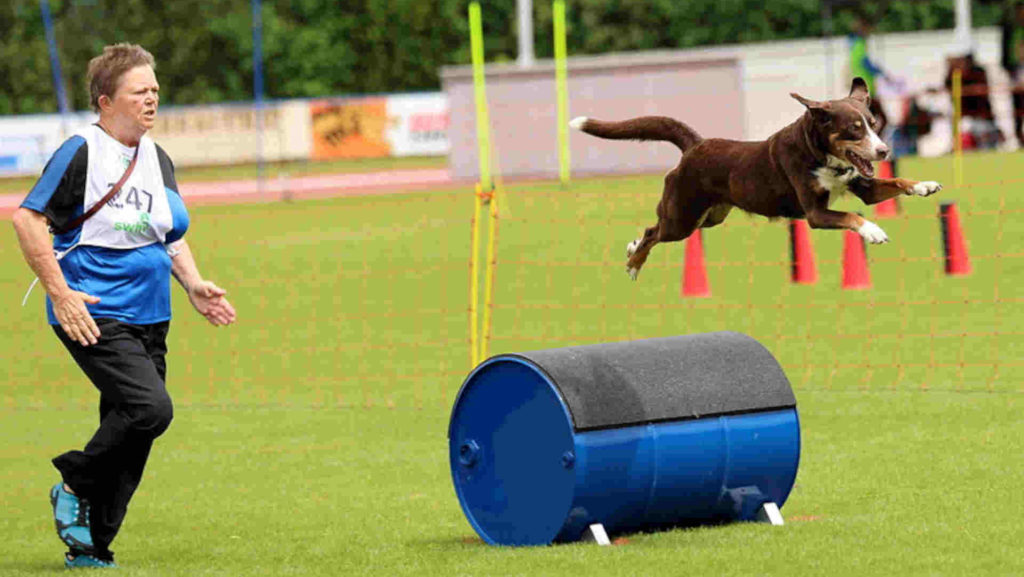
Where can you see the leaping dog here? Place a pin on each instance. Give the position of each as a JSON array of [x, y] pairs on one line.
[[796, 173]]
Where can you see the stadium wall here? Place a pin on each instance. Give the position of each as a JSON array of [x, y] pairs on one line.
[[523, 113], [386, 125]]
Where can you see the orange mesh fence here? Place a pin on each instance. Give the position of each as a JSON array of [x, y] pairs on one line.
[[363, 302], [342, 303], [560, 273]]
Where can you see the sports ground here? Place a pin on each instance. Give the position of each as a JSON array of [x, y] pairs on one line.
[[310, 438]]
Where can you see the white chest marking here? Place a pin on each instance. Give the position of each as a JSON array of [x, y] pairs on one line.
[[835, 176]]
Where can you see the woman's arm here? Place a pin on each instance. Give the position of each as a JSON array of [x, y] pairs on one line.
[[68, 305], [207, 298]]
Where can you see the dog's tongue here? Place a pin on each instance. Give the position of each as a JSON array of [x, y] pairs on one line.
[[863, 166]]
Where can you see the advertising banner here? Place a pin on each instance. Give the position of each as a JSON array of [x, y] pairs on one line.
[[27, 142], [230, 133], [397, 125], [418, 124], [353, 128], [380, 126]]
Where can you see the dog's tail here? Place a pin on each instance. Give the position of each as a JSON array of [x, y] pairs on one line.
[[642, 128]]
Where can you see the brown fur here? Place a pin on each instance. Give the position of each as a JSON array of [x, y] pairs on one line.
[[778, 177]]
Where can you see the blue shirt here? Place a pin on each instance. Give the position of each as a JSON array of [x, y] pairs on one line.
[[133, 284]]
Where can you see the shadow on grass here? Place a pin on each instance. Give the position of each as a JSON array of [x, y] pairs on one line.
[[617, 539]]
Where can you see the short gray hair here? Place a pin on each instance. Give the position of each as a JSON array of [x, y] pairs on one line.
[[106, 70]]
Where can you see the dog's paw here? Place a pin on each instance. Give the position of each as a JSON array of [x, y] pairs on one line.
[[872, 233], [632, 272], [578, 122], [631, 248], [926, 188]]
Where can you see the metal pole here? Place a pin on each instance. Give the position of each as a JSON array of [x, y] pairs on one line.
[[524, 11], [257, 82], [58, 76], [827, 31], [958, 148]]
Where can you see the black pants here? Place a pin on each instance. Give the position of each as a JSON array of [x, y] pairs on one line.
[[1018, 115], [127, 366]]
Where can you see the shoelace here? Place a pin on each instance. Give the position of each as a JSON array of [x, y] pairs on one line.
[[82, 513]]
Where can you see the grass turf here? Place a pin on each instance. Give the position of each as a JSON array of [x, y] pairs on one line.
[[310, 437]]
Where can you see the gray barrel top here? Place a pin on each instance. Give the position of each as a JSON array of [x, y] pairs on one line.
[[672, 378]]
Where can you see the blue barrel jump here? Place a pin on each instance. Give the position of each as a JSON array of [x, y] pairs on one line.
[[635, 436]]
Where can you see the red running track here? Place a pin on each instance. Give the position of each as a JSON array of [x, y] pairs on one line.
[[284, 188]]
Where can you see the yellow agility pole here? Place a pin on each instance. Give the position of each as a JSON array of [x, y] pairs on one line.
[[492, 231], [483, 133], [958, 147], [561, 90], [474, 279]]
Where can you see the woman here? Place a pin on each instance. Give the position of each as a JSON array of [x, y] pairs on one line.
[[1013, 62], [107, 281], [861, 65]]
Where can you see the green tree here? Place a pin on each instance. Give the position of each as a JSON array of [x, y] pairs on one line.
[[316, 48], [25, 79]]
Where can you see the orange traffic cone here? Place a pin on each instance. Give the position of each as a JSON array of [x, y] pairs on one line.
[[887, 208], [695, 276], [953, 243], [802, 269], [855, 262]]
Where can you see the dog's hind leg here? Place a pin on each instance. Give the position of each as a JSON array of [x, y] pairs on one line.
[[680, 212], [667, 230], [716, 215], [638, 249]]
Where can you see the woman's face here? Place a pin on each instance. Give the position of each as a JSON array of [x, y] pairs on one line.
[[136, 99]]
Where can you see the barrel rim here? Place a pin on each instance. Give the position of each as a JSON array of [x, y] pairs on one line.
[[467, 513], [515, 357]]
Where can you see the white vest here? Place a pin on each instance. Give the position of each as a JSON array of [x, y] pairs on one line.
[[139, 214]]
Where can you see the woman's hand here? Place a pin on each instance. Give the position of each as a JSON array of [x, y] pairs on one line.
[[208, 299], [68, 305], [74, 318]]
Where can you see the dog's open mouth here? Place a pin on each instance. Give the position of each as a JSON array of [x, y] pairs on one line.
[[861, 164]]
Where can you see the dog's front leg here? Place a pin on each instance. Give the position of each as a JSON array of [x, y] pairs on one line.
[[820, 216], [875, 190], [826, 218]]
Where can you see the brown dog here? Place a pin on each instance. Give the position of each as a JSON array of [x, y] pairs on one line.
[[796, 173]]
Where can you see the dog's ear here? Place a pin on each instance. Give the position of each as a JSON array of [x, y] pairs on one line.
[[821, 111], [859, 91]]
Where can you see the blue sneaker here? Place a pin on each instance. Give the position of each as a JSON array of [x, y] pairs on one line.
[[71, 516], [86, 561]]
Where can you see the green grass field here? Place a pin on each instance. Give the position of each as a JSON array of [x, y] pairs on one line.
[[310, 438]]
